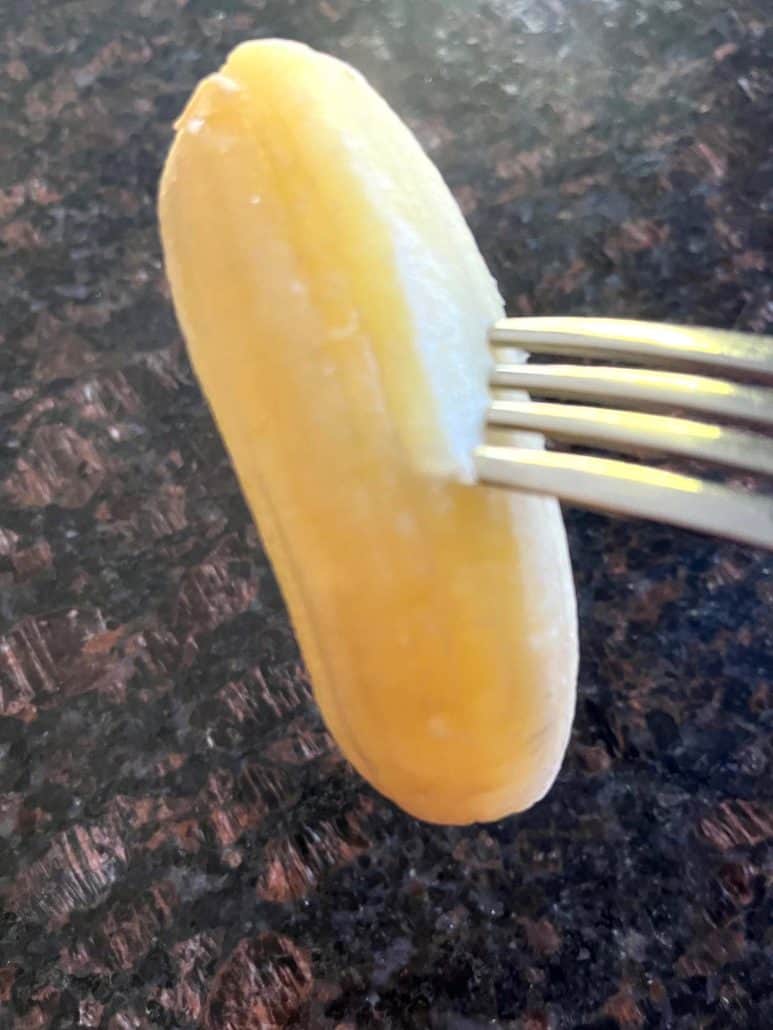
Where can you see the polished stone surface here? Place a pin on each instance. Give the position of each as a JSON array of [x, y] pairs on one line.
[[180, 844]]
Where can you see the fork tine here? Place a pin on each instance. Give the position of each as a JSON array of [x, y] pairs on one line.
[[622, 339], [625, 488], [626, 430], [641, 387]]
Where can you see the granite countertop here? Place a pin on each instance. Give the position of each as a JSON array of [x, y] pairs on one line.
[[180, 843]]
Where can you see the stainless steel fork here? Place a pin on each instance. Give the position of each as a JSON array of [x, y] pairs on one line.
[[716, 372]]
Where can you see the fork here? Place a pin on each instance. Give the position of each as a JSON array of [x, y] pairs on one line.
[[716, 372]]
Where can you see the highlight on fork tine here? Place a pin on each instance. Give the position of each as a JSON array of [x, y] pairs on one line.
[[648, 342]]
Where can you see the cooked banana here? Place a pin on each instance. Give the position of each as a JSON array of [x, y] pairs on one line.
[[335, 307]]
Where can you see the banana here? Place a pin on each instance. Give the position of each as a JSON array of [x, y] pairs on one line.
[[335, 308]]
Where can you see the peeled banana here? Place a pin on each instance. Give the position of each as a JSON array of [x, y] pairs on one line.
[[335, 308]]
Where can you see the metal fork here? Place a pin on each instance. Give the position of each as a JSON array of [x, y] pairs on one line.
[[707, 370]]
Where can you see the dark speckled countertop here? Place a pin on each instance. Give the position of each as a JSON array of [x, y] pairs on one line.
[[180, 843]]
